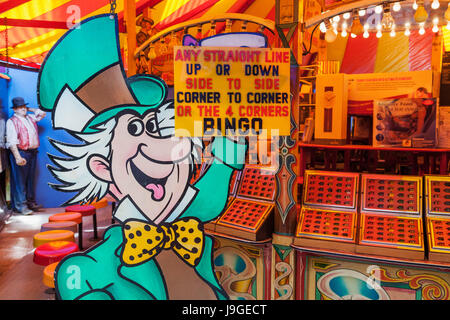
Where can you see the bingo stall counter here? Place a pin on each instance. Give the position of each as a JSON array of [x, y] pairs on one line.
[[243, 235], [391, 222], [332, 275], [328, 216]]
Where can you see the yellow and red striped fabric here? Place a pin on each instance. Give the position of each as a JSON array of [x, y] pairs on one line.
[[385, 54], [29, 45]]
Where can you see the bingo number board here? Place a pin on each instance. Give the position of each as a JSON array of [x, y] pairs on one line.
[[391, 194], [437, 193], [391, 211], [253, 203], [329, 207], [334, 190], [327, 224]]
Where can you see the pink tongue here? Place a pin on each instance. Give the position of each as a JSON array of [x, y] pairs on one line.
[[158, 190]]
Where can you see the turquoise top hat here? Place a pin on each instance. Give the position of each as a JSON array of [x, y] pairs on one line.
[[83, 83]]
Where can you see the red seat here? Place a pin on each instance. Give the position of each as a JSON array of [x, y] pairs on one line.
[[85, 210], [51, 252]]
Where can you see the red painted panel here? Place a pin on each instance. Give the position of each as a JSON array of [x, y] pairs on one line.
[[420, 50], [360, 55]]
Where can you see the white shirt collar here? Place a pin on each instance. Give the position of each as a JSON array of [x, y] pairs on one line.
[[126, 208]]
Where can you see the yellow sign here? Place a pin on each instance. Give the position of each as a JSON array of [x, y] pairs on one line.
[[231, 91]]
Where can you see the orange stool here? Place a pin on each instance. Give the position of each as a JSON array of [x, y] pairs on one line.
[[100, 203], [52, 235], [70, 216], [49, 275], [62, 225], [51, 252], [86, 210]]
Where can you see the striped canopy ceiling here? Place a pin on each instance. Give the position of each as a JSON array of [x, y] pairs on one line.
[[37, 24]]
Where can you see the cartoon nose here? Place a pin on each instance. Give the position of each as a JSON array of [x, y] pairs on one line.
[[167, 150]]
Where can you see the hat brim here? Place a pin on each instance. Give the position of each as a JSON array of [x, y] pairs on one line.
[[149, 91], [22, 105]]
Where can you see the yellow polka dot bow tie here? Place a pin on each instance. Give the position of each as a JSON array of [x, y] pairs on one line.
[[144, 240]]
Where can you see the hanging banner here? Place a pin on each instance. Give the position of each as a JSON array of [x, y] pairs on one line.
[[231, 91]]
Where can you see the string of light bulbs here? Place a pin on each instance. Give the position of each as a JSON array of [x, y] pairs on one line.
[[349, 23]]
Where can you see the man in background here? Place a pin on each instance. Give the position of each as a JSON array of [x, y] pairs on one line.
[[22, 140]]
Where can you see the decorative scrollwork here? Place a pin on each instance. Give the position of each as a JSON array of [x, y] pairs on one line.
[[433, 287]]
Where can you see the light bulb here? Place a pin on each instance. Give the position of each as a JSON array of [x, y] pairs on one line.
[[336, 18], [330, 35], [414, 6], [447, 13], [422, 29], [353, 35], [344, 29], [378, 9], [421, 14], [346, 15], [435, 4], [379, 26], [379, 34], [407, 26], [362, 12], [366, 34], [392, 33], [323, 27], [435, 25], [335, 25], [388, 21], [396, 7], [448, 25], [357, 27]]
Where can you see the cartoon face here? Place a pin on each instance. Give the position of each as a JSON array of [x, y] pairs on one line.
[[151, 169]]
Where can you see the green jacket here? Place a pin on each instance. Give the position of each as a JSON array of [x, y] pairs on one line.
[[98, 274]]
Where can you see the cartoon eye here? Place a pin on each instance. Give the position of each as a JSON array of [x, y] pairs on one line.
[[151, 126], [136, 127]]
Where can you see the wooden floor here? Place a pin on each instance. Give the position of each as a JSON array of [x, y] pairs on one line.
[[20, 278]]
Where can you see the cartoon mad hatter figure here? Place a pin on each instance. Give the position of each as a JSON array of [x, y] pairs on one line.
[[128, 150]]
